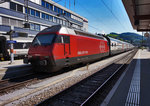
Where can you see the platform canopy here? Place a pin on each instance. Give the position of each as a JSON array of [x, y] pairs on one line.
[[139, 13]]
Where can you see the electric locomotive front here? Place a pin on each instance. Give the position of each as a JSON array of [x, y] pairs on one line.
[[50, 49], [41, 53]]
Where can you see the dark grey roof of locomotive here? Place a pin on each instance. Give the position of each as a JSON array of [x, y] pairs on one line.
[[88, 34]]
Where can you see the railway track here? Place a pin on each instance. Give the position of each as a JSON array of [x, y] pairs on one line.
[[17, 82], [95, 87]]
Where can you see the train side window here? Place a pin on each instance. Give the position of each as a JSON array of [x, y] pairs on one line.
[[58, 39], [62, 39], [66, 39]]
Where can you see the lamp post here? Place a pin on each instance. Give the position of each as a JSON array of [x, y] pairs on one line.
[[11, 45], [26, 5]]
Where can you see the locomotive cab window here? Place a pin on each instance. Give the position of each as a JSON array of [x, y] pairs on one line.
[[43, 39], [62, 39], [59, 39], [66, 39]]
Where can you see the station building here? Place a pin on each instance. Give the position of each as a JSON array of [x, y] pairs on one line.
[[40, 14]]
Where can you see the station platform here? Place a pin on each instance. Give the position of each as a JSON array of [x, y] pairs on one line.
[[132, 89], [7, 70], [6, 64]]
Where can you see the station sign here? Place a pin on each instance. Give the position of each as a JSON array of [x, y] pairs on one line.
[[11, 41]]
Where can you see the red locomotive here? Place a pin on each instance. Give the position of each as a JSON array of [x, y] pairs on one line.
[[58, 46]]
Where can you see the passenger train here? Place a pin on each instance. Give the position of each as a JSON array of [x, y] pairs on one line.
[[21, 47], [57, 47]]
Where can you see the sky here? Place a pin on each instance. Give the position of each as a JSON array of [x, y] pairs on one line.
[[104, 16]]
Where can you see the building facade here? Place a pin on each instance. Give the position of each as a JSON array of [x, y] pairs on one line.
[[40, 14]]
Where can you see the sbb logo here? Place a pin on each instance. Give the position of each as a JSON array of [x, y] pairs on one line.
[[102, 46]]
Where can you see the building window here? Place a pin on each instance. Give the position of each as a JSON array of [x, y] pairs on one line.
[[13, 22], [47, 5], [51, 7], [32, 12], [37, 27], [20, 24], [55, 19], [65, 13], [67, 23], [51, 18], [32, 26], [43, 15], [47, 17], [5, 21], [60, 21], [55, 8], [28, 10], [13, 6], [43, 3], [58, 10], [61, 11], [37, 14], [64, 22], [19, 8], [69, 15]]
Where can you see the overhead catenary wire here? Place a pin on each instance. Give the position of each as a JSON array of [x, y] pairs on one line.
[[85, 17], [93, 15], [93, 27], [112, 13], [56, 2]]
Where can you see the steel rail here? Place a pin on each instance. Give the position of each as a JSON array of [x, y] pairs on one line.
[[8, 84], [128, 58]]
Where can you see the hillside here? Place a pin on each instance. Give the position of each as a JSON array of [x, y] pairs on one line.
[[128, 37]]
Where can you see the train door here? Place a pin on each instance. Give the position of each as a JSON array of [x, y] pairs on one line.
[[66, 46], [66, 42]]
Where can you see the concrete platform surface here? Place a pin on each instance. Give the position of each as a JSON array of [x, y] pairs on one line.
[[132, 89], [11, 70], [5, 64]]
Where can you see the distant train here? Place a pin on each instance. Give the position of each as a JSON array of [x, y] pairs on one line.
[[20, 47], [58, 46]]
